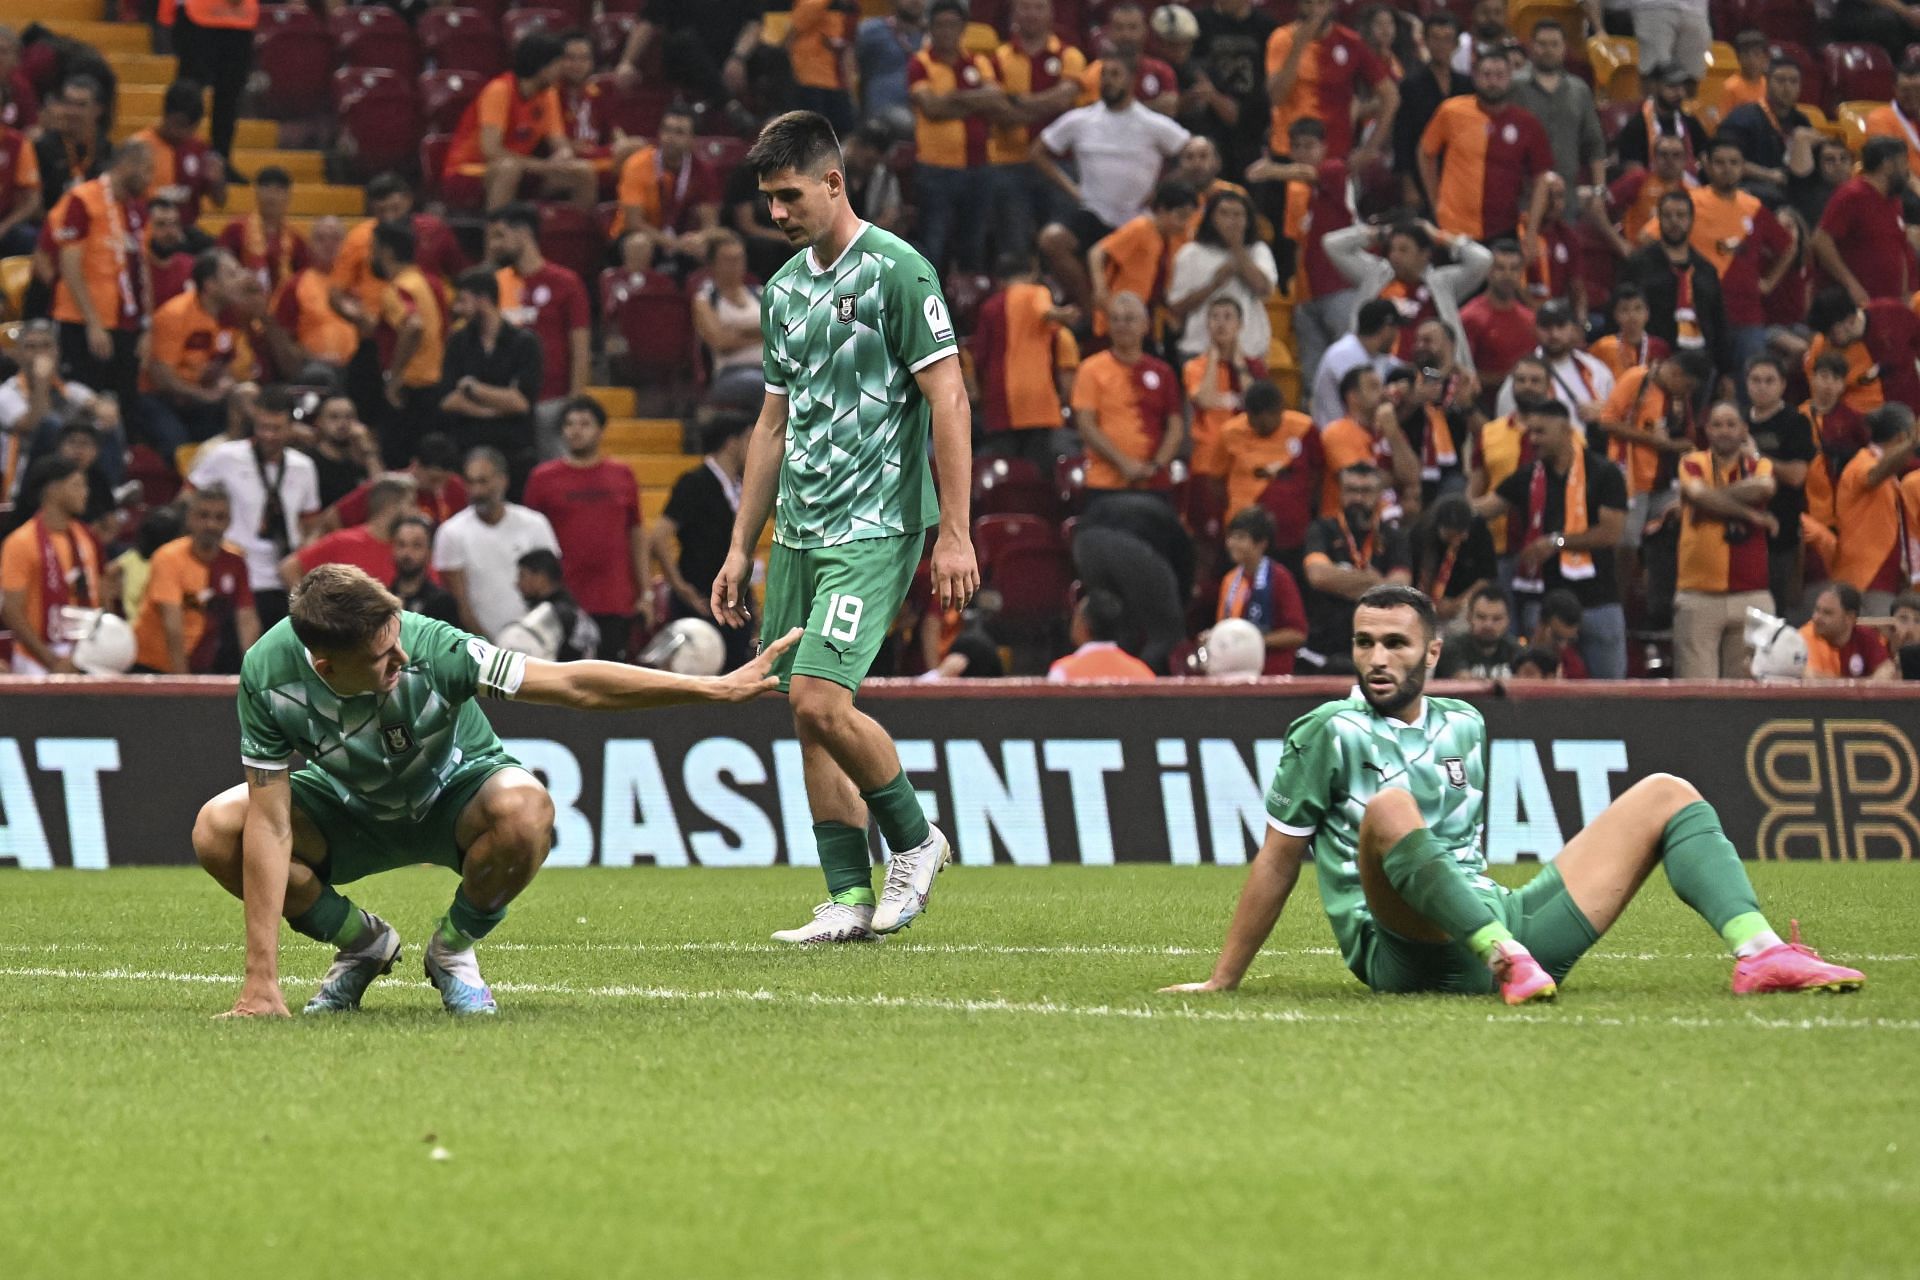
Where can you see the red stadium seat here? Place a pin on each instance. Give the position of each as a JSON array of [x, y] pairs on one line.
[[292, 60], [651, 315], [462, 39], [1013, 486], [638, 8], [351, 80], [368, 36], [1070, 482], [1791, 21], [444, 96], [433, 162], [635, 112], [722, 152], [378, 125], [1813, 75], [1024, 560], [965, 293], [1857, 72], [571, 237], [519, 23], [610, 32]]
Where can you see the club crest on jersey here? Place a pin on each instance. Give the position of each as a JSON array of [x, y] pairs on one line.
[[396, 738], [1456, 771], [843, 308]]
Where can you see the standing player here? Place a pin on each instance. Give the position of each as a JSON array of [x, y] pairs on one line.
[[861, 363], [402, 767], [1386, 787]]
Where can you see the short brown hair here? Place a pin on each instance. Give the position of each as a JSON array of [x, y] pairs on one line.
[[337, 608]]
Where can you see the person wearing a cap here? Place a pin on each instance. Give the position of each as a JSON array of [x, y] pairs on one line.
[[1580, 381], [1662, 115], [1774, 135]]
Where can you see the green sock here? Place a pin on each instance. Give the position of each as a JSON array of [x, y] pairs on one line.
[[902, 821], [331, 918], [465, 924], [1704, 869], [1430, 880], [844, 857]]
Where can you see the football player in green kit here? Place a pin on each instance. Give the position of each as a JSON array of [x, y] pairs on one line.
[[401, 768], [1385, 789], [862, 370]]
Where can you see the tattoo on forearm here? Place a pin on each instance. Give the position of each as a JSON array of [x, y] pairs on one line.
[[265, 777]]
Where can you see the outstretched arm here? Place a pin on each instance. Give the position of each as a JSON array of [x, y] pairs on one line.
[[1270, 881], [591, 685]]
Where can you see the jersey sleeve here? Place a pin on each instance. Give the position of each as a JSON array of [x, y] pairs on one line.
[[262, 743], [465, 666], [917, 321], [771, 372], [1302, 787]]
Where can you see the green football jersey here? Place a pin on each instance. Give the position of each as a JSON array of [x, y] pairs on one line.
[[1338, 757], [842, 344], [387, 755]]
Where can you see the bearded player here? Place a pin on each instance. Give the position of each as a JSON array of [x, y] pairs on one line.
[[1386, 788], [861, 368], [401, 768]]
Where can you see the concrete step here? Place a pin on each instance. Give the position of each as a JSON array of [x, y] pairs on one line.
[[301, 166], [654, 470], [21, 12], [310, 199], [110, 38], [642, 436], [145, 70], [251, 135], [617, 401]]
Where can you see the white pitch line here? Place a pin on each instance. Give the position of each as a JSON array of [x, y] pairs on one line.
[[912, 948], [1172, 1010]]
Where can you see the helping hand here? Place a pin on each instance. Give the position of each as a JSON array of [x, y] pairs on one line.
[[755, 678]]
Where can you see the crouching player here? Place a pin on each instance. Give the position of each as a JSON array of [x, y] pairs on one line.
[[1387, 789], [402, 767]]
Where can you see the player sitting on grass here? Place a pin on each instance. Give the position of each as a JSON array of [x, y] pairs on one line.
[[402, 767], [861, 368], [1387, 788]]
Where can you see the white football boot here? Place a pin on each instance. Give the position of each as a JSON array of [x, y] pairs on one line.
[[909, 881], [833, 922]]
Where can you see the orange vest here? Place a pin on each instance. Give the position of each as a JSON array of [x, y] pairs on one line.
[[233, 15]]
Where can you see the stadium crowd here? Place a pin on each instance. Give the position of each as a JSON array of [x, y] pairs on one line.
[[1600, 324]]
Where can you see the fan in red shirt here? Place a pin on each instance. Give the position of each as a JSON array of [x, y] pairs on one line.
[[1127, 406], [185, 169], [1315, 69], [1499, 325], [1861, 242], [366, 546], [593, 505], [542, 296], [438, 490], [1155, 83]]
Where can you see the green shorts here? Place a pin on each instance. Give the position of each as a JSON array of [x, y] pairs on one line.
[[359, 845], [1541, 915], [846, 598]]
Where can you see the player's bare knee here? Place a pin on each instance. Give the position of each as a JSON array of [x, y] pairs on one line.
[[1391, 814], [521, 817], [818, 714], [216, 836], [1669, 791]]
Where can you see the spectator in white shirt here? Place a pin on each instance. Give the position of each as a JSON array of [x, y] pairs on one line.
[[34, 404], [1107, 141], [272, 489], [477, 551], [1580, 381], [1376, 334], [1225, 259]]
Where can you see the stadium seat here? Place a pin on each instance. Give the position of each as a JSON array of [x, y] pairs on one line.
[[369, 36], [652, 315], [965, 292], [1813, 73], [15, 274], [1850, 116], [637, 8], [351, 80], [462, 39], [292, 61], [1793, 21], [1070, 482], [378, 124], [1013, 486], [571, 237], [1616, 68], [519, 23], [433, 162], [1522, 14], [610, 32], [444, 96], [1024, 560], [636, 112], [722, 152], [1856, 72]]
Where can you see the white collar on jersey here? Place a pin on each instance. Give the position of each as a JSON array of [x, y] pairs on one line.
[[813, 263], [1426, 710]]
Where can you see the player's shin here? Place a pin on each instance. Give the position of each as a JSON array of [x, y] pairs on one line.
[[465, 924], [847, 864], [1427, 877], [1705, 871], [896, 809], [332, 918]]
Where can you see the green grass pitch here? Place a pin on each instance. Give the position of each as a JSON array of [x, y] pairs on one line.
[[996, 1093]]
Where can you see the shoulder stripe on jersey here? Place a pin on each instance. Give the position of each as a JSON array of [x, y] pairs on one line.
[[1285, 830], [252, 762], [941, 354]]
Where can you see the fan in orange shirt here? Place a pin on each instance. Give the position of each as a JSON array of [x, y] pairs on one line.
[[1315, 69], [1274, 460], [1126, 405], [1750, 85], [197, 616], [306, 305], [1097, 655], [1878, 510], [411, 310], [820, 48], [1629, 346], [195, 356], [1481, 158], [19, 192], [1137, 257], [498, 143], [1024, 356], [1215, 381], [1901, 117], [1369, 433]]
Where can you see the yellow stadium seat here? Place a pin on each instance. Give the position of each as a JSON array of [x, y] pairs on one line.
[[183, 458], [1616, 68], [15, 274], [1818, 119], [1523, 14], [774, 28], [980, 38], [1852, 121], [10, 335]]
